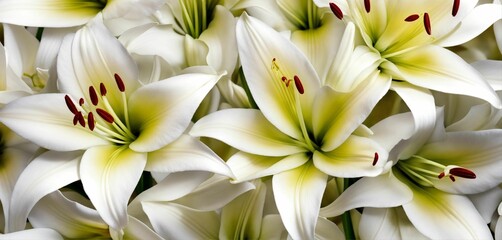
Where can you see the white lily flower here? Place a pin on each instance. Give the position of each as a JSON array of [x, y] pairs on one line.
[[410, 36], [295, 135], [68, 13], [36, 233], [430, 183], [123, 127]]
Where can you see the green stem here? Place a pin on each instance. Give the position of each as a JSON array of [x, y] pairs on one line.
[[348, 229]]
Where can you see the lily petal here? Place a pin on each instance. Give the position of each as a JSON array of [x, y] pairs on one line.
[[242, 217], [48, 13], [454, 215], [477, 151], [109, 175], [476, 22], [136, 229], [42, 233], [258, 45], [21, 47], [298, 194], [383, 191], [182, 222], [214, 194], [171, 104], [247, 166], [439, 69], [247, 130], [46, 173], [69, 218], [45, 120], [186, 154], [354, 158], [92, 56], [387, 223], [336, 115]]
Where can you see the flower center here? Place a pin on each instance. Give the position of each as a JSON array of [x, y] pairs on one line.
[[424, 171], [303, 15], [196, 14], [100, 117]]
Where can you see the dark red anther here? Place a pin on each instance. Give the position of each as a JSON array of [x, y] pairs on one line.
[[456, 6], [93, 95], [102, 89], [412, 18], [81, 101], [298, 84], [104, 115], [462, 172], [452, 178], [284, 79], [75, 120], [427, 23], [336, 10], [81, 119], [120, 83], [441, 175], [367, 5], [375, 159], [69, 103], [90, 121]]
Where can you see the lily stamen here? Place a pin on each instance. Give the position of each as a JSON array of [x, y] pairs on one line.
[[298, 84], [93, 95], [367, 6], [427, 24], [336, 10], [375, 159], [456, 6], [455, 171], [121, 87], [412, 18]]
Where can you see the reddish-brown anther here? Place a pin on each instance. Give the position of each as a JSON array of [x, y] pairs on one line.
[[441, 175], [462, 172], [367, 6], [93, 95], [81, 101], [427, 24], [104, 115], [284, 79], [411, 18], [375, 159], [90, 121], [75, 120], [298, 84], [69, 103], [120, 83], [336, 10], [102, 89], [452, 178], [456, 6], [81, 119]]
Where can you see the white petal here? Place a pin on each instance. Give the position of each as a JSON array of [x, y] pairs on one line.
[[13, 161], [247, 166], [173, 221], [37, 233], [247, 130], [162, 110], [476, 22], [109, 175], [487, 202], [243, 216], [389, 131], [478, 151], [336, 115], [436, 68], [186, 154], [298, 194], [454, 215], [46, 120], [48, 172], [326, 229], [48, 13], [220, 39], [136, 229], [214, 194], [21, 48], [380, 192], [387, 223], [258, 45], [69, 218], [421, 103], [490, 69], [92, 56], [354, 158], [273, 228]]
